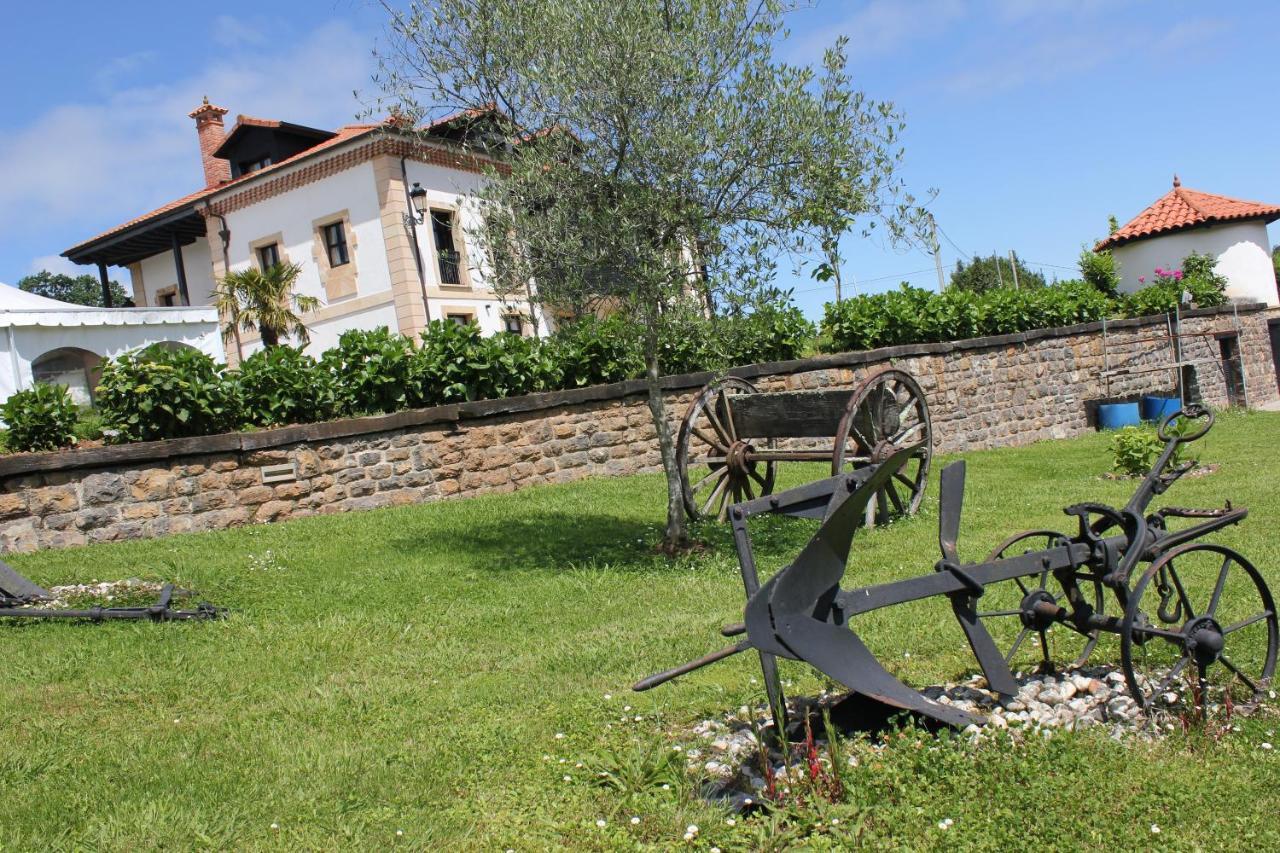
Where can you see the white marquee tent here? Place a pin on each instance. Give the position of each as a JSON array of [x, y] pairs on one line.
[[44, 340]]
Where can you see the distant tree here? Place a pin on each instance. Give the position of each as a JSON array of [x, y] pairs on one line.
[[983, 274], [78, 290], [263, 301]]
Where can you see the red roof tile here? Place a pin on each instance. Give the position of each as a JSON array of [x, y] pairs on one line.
[[1185, 208]]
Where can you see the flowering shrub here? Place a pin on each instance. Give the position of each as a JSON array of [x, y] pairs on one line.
[[283, 385], [42, 417], [160, 392]]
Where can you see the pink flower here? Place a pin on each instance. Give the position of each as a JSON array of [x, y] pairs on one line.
[[1177, 274], [1142, 279], [1159, 270]]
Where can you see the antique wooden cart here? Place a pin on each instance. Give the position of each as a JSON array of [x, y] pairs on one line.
[[733, 436]]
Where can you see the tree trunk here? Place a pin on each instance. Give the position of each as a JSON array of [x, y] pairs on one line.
[[269, 337], [677, 532]]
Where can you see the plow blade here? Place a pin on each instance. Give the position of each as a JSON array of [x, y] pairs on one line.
[[17, 589]]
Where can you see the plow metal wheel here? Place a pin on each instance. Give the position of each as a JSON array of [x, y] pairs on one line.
[[1008, 608], [887, 413], [716, 465], [1200, 632]]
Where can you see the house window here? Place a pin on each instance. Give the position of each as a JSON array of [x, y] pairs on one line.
[[167, 298], [513, 323], [460, 319], [335, 244], [268, 255], [247, 166], [446, 250]]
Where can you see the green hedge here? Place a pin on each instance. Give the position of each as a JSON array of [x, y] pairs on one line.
[[166, 393], [42, 417], [911, 315]]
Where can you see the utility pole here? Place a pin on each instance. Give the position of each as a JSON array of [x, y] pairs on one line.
[[1013, 263], [999, 275], [937, 252]]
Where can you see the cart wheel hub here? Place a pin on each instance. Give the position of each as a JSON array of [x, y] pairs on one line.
[[739, 458], [1204, 640], [1033, 618]]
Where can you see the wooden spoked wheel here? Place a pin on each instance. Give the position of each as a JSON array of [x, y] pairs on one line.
[[1199, 633], [887, 413], [1023, 634], [717, 468]]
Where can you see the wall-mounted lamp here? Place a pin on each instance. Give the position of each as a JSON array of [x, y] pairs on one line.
[[418, 198]]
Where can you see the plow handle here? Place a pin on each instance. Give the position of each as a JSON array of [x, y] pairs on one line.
[[666, 675]]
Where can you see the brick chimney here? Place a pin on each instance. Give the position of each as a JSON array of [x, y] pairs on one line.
[[210, 129]]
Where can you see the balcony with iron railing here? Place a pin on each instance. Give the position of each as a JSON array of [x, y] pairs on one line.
[[449, 267]]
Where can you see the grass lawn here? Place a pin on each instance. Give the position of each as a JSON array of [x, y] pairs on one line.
[[411, 670]]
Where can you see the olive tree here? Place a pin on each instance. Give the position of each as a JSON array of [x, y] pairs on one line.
[[652, 153]]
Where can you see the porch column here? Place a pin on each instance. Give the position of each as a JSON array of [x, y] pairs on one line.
[[106, 284], [180, 269]]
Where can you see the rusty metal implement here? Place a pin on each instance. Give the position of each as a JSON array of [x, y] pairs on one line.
[[19, 597], [1194, 619]]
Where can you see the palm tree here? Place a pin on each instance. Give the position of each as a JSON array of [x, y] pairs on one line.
[[263, 301]]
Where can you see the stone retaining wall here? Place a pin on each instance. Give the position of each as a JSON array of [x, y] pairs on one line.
[[1006, 390]]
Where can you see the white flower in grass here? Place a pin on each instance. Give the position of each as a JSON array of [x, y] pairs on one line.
[[692, 829], [608, 696], [626, 707], [688, 836], [731, 822], [1155, 829], [559, 735], [1265, 745], [275, 826], [399, 833], [714, 850], [666, 787], [945, 823], [635, 821], [602, 823], [567, 777]]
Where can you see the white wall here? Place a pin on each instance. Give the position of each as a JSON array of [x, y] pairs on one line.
[[159, 272], [292, 214], [450, 189], [1242, 249]]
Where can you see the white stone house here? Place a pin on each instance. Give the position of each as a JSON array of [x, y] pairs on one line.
[[1184, 221], [44, 340], [341, 204]]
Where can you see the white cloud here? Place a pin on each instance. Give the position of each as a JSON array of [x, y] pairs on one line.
[[230, 31], [85, 167], [881, 27], [1067, 48], [56, 264]]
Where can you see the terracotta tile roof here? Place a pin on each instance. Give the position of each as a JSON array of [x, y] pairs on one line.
[[258, 122], [344, 134], [1185, 208]]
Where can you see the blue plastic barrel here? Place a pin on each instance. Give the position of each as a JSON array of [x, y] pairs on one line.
[[1157, 408], [1116, 415]]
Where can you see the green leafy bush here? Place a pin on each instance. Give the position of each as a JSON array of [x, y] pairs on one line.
[[458, 362], [42, 417], [592, 351], [159, 392], [283, 385], [1098, 269], [912, 315], [768, 333], [1135, 448], [371, 371]]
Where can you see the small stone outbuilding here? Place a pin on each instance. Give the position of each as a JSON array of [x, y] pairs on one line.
[[1183, 221]]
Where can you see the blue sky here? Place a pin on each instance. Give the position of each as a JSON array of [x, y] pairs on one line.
[[1035, 119]]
